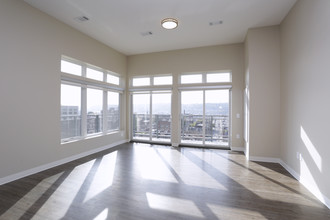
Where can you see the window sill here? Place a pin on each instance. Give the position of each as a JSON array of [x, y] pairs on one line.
[[90, 136]]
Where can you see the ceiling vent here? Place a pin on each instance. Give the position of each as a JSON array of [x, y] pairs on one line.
[[212, 23], [82, 19], [147, 33]]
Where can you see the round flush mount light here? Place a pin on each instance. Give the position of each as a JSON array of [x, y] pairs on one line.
[[169, 23]]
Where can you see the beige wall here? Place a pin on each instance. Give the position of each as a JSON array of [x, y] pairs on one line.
[[262, 73], [31, 47], [227, 57], [305, 92]]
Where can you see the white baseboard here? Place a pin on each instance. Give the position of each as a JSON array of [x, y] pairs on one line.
[[241, 149], [265, 159], [28, 172]]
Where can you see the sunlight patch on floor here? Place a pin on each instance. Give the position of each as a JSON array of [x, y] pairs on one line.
[[152, 168], [104, 175], [227, 212], [175, 205], [103, 215], [60, 201], [19, 208], [193, 174]]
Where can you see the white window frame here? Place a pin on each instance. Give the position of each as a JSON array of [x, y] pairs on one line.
[[84, 83], [151, 86], [204, 82]]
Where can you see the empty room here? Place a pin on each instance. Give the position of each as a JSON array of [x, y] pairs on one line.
[[177, 109]]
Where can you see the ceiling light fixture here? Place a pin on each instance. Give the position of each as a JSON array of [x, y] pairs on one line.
[[169, 23]]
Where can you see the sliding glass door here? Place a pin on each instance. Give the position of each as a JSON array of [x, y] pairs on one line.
[[192, 117], [141, 116], [151, 118], [205, 117]]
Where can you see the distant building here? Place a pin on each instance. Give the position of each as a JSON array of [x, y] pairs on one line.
[[70, 122]]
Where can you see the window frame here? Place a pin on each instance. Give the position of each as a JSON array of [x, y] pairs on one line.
[[84, 83], [191, 74], [204, 78], [151, 85]]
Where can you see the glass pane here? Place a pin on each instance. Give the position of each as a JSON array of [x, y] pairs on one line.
[[141, 116], [163, 80], [218, 77], [94, 74], [71, 68], [94, 110], [161, 117], [195, 78], [70, 111], [113, 117], [192, 117], [217, 117], [141, 81], [113, 79]]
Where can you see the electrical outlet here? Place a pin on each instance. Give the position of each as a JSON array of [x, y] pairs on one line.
[[299, 157]]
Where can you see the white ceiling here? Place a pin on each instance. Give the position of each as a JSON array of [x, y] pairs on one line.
[[119, 23]]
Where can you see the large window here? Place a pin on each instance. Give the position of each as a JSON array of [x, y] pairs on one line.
[[141, 116], [70, 111], [88, 108], [151, 118], [192, 117], [94, 111], [113, 114], [205, 117], [203, 100], [161, 116]]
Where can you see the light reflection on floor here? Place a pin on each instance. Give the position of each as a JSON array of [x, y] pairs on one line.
[[175, 205], [103, 177], [186, 183]]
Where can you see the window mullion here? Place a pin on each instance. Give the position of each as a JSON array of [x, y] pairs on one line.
[[83, 105], [105, 112], [204, 117], [84, 111], [120, 107], [150, 116], [203, 77]]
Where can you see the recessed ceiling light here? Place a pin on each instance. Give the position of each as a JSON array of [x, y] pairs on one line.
[[169, 23]]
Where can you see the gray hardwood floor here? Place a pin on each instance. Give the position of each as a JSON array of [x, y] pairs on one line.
[[142, 181]]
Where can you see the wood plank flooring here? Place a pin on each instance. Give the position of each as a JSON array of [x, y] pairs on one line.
[[142, 181]]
